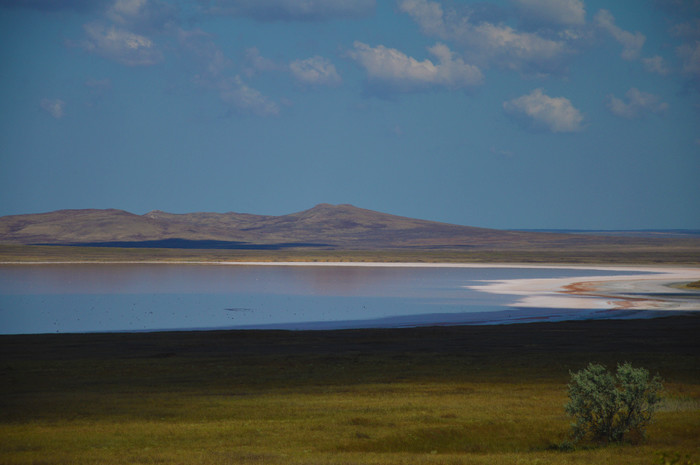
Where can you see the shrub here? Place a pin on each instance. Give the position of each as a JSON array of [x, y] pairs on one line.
[[606, 407]]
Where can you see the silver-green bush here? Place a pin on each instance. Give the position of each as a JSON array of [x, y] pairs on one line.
[[607, 406]]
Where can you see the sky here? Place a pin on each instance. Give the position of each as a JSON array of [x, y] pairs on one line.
[[568, 114]]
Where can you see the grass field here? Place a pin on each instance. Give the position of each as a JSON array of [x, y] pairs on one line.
[[445, 395]]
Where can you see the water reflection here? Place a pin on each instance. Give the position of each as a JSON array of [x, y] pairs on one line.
[[78, 298]]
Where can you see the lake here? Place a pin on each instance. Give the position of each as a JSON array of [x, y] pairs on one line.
[[154, 297]]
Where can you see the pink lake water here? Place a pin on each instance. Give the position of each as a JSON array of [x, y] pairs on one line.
[[157, 297]]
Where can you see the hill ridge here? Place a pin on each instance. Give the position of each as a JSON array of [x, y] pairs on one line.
[[325, 225]]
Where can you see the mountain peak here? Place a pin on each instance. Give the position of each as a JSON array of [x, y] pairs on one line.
[[154, 214]]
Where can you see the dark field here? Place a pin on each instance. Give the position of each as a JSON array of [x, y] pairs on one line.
[[442, 395]]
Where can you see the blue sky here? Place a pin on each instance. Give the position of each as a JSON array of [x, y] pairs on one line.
[[505, 114]]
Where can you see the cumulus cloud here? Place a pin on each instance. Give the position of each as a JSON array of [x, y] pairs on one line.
[[54, 107], [690, 54], [632, 43], [242, 98], [636, 105], [199, 46], [256, 63], [293, 10], [142, 15], [564, 12], [213, 66], [120, 45], [539, 111], [123, 31], [689, 33], [429, 16], [688, 29], [656, 64], [315, 71], [395, 71], [489, 43], [520, 51]]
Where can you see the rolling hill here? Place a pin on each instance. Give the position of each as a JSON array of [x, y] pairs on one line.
[[323, 226]]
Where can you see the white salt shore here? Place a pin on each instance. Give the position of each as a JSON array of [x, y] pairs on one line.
[[651, 291]]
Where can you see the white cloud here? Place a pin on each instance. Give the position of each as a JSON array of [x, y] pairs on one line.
[[429, 16], [637, 105], [54, 107], [656, 64], [632, 43], [399, 72], [142, 15], [316, 71], [245, 99], [539, 111], [690, 53], [202, 50], [122, 35], [256, 63], [214, 65], [126, 11], [520, 51], [689, 29], [487, 43], [565, 12], [121, 45], [294, 10]]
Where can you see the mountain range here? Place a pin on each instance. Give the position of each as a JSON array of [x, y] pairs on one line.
[[323, 226]]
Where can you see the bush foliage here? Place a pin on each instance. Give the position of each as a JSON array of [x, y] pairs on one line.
[[608, 406]]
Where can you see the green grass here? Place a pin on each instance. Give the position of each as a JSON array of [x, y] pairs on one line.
[[453, 395]]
